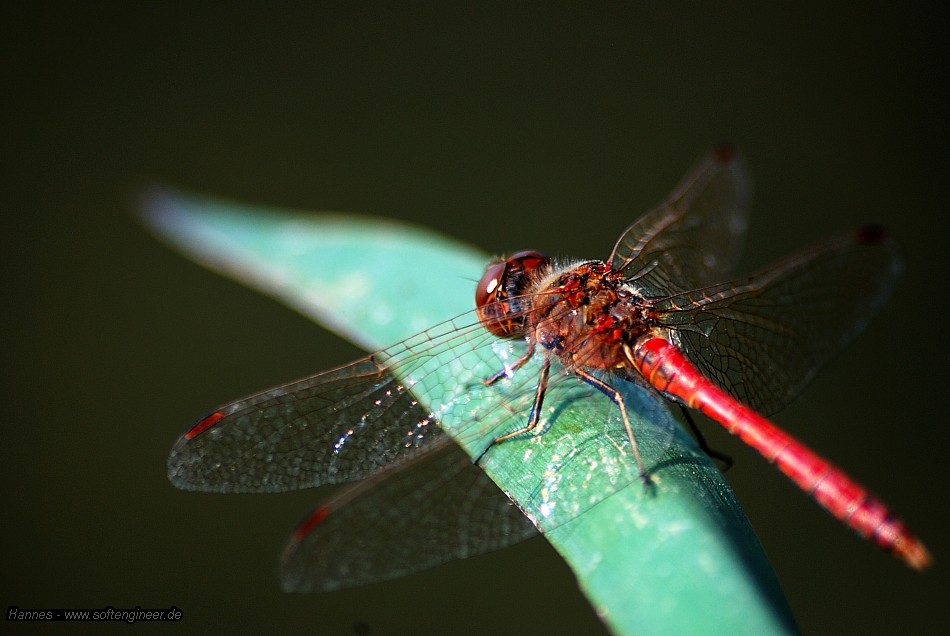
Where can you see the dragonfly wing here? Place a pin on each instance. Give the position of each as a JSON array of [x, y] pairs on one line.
[[763, 338], [328, 428], [433, 509], [354, 421], [694, 237]]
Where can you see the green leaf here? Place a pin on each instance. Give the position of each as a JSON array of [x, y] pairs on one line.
[[678, 558]]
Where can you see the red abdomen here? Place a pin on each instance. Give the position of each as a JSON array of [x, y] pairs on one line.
[[667, 369]]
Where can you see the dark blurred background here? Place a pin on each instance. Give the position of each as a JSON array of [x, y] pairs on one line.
[[535, 126]]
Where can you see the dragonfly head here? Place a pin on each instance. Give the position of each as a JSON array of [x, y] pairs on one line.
[[503, 281]]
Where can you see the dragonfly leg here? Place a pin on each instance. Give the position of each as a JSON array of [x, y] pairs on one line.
[[505, 371], [535, 415], [718, 456], [616, 397]]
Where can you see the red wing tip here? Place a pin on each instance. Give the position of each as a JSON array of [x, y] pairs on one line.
[[872, 235], [311, 522], [204, 424], [725, 153]]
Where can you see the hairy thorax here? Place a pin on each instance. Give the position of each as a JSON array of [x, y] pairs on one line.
[[586, 315]]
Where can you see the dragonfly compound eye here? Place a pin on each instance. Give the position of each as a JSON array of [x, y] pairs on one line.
[[504, 280]]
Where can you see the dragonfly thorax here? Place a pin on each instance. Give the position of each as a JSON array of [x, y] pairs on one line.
[[587, 314]]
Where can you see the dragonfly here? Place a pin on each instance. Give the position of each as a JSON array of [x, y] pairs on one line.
[[655, 314]]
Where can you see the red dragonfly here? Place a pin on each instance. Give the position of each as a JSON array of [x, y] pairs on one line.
[[654, 314]]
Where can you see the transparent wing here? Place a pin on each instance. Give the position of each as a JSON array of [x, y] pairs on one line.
[[692, 239], [339, 425], [763, 338], [419, 514], [363, 420]]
